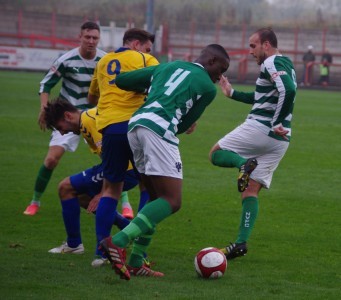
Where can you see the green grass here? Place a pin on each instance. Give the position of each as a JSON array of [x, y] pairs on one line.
[[294, 251]]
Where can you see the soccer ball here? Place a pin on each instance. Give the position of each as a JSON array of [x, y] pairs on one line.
[[210, 263]]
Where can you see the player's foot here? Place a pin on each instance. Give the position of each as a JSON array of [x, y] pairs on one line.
[[128, 213], [64, 248], [245, 172], [116, 256], [99, 262], [144, 271], [32, 209], [234, 250]]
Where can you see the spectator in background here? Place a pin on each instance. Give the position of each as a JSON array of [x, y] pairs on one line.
[[326, 60], [308, 58]]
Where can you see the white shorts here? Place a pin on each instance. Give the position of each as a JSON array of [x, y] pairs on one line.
[[248, 142], [153, 155], [68, 141]]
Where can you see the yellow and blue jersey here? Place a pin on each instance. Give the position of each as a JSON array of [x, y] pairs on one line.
[[116, 105], [90, 133], [89, 130]]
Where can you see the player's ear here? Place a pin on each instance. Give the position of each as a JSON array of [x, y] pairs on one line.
[[67, 116], [266, 44], [135, 45]]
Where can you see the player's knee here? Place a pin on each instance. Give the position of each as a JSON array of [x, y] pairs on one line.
[[175, 205], [252, 190], [215, 158], [212, 155], [51, 162], [65, 189]]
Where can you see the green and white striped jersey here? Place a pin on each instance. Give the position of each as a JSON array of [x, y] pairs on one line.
[[179, 93], [76, 73], [273, 100]]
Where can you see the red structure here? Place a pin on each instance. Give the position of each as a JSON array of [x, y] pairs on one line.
[[55, 31]]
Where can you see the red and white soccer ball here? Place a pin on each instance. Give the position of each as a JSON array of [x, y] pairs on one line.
[[210, 263]]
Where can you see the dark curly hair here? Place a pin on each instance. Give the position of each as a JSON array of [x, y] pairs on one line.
[[54, 111]]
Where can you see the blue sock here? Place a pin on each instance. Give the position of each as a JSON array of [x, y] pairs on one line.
[[121, 221], [105, 217], [71, 216], [144, 197]]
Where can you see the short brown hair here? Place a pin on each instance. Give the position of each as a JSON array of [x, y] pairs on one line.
[[138, 34], [90, 26], [267, 34]]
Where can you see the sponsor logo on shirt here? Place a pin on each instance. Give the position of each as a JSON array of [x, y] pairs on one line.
[[279, 73]]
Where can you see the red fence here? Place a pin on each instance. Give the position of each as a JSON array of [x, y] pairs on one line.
[[18, 28]]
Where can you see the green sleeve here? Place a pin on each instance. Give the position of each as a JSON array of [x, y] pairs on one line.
[[137, 80], [286, 98], [248, 98], [52, 78], [196, 111]]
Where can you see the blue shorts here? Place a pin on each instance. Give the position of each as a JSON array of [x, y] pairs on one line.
[[116, 154], [90, 181]]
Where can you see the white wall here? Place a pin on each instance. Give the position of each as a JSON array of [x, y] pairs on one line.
[[27, 58]]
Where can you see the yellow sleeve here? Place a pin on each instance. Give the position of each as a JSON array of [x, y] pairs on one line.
[[151, 60], [90, 132], [94, 89]]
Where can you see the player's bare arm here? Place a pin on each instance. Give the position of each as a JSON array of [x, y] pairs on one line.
[[93, 99], [44, 98]]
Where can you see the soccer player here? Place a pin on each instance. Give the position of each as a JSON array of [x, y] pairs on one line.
[[61, 115], [179, 92], [257, 146], [114, 110], [75, 68]]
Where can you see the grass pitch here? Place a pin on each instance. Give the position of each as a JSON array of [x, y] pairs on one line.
[[294, 251]]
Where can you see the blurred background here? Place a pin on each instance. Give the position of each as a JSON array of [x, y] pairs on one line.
[[34, 33]]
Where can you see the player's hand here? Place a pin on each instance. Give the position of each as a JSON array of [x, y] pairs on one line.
[[41, 120], [92, 207], [192, 128], [225, 86], [279, 130]]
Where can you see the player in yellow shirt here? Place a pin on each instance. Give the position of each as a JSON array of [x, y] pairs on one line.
[[114, 110], [77, 190]]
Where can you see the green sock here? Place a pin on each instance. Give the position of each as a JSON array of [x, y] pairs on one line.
[[148, 217], [139, 250], [227, 159], [125, 200], [248, 218], [42, 181]]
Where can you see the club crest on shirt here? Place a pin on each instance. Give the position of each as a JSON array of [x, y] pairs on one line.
[[55, 70]]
